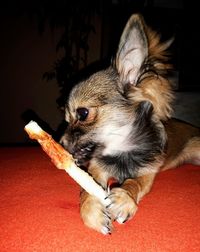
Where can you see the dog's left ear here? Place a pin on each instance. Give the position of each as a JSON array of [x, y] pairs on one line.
[[132, 50]]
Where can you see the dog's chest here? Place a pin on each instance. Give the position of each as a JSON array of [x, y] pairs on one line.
[[116, 139]]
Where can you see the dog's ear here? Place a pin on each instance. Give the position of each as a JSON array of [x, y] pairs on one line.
[[132, 50]]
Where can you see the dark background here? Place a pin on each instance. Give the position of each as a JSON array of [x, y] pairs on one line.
[[47, 46]]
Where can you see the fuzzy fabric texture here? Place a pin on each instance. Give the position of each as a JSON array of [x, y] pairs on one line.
[[39, 210]]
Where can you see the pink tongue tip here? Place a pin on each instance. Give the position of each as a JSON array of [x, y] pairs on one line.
[[112, 182]]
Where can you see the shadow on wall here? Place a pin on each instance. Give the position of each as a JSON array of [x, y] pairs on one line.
[[187, 107]]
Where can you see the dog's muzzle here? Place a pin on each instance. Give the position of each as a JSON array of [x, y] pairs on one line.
[[82, 154]]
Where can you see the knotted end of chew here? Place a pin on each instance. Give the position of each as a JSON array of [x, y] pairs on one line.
[[61, 158]]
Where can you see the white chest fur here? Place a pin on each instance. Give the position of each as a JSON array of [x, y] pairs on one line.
[[115, 139]]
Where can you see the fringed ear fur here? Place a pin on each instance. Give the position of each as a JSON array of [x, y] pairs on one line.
[[132, 50], [141, 62]]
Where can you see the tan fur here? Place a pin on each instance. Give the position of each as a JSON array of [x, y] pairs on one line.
[[156, 90], [94, 214], [183, 144]]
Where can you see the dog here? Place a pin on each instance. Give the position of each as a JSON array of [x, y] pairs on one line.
[[120, 126]]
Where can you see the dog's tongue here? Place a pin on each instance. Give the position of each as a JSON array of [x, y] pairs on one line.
[[112, 182]]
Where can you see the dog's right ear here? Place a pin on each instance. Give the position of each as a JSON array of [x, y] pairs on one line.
[[132, 50]]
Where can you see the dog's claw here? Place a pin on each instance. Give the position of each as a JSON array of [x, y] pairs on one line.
[[122, 206], [106, 230]]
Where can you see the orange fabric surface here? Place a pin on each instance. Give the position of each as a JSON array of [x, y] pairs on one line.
[[40, 210]]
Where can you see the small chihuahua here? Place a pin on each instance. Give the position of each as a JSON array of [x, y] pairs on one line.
[[119, 126]]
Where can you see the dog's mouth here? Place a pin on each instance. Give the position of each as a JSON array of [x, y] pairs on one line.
[[83, 154]]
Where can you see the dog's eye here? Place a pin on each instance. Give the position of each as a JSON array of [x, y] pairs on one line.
[[82, 113]]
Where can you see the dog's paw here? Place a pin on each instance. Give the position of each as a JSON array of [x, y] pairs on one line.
[[96, 216], [122, 206]]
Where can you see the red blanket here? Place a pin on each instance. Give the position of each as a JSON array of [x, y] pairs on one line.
[[40, 210]]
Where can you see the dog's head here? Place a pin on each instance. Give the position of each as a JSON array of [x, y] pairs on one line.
[[121, 109]]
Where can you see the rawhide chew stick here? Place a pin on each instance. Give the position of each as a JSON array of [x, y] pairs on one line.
[[63, 160]]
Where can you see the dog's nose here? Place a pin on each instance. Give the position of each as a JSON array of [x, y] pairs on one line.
[[62, 140], [71, 149], [65, 143]]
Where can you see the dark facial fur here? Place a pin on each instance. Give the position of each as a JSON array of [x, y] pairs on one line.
[[115, 117], [148, 145]]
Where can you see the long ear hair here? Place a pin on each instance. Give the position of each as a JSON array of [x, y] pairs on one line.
[[142, 64], [132, 50]]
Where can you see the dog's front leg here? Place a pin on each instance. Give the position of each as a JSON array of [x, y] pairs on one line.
[[94, 214], [124, 199]]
